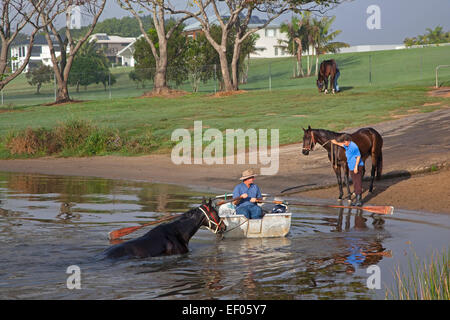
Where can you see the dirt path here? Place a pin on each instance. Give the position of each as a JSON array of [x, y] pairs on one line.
[[411, 144]]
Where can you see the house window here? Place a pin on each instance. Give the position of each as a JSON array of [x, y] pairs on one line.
[[270, 32], [276, 51]]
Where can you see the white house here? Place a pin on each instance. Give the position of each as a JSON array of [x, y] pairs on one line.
[[268, 44], [40, 53], [111, 45], [126, 54]]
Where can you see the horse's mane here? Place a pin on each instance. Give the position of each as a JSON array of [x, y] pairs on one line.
[[328, 133]]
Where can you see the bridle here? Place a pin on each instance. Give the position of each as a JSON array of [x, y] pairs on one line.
[[211, 219], [312, 143]]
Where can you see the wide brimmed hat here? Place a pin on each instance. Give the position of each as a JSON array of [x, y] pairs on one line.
[[247, 174]]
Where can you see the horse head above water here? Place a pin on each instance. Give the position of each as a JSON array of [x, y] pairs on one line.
[[170, 238]]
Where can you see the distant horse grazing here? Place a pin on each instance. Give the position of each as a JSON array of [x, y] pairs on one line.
[[170, 238], [328, 68], [368, 140]]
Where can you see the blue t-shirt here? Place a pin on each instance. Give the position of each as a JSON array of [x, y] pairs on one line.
[[352, 152], [252, 191]]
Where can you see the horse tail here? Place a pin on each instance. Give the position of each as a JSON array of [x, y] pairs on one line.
[[378, 149]]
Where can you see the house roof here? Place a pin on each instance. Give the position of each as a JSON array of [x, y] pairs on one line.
[[129, 46], [104, 38]]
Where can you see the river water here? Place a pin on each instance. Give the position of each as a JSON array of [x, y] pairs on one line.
[[326, 254]]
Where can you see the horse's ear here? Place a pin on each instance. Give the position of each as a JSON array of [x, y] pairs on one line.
[[210, 202], [203, 200], [304, 130], [309, 127]]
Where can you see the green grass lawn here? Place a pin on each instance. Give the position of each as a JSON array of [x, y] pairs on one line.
[[400, 81]]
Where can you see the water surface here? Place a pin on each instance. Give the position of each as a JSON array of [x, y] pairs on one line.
[[325, 255]]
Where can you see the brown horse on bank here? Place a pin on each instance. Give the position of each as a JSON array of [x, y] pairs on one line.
[[368, 140]]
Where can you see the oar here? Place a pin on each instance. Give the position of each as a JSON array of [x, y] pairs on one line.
[[373, 209], [119, 233], [226, 201]]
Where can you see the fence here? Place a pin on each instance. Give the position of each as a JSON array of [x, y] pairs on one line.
[[358, 70]]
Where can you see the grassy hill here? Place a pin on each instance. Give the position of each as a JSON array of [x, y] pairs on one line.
[[399, 83]]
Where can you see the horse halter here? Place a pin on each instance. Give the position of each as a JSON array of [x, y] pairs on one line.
[[211, 220], [312, 143]]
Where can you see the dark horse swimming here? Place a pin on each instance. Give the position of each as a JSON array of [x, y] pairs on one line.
[[327, 69], [369, 141], [170, 238]]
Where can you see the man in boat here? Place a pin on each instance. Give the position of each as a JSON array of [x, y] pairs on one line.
[[249, 194], [354, 162]]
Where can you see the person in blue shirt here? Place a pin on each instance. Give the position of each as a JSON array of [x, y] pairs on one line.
[[355, 164], [336, 86], [249, 194]]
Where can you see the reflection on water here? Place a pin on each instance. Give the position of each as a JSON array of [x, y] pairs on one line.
[[48, 223]]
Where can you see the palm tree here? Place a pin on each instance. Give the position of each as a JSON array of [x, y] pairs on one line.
[[435, 35], [322, 37], [296, 31]]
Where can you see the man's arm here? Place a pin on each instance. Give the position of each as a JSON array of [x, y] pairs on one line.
[[358, 158], [338, 143]]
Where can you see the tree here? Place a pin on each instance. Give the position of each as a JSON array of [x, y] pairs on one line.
[[296, 31], [239, 13], [434, 36], [159, 50], [38, 76], [68, 45], [90, 66], [202, 58], [15, 16], [322, 37], [176, 69], [198, 61]]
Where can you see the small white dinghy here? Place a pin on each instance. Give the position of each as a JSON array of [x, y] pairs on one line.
[[238, 226]]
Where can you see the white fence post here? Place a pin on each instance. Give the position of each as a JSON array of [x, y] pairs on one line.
[[437, 68]]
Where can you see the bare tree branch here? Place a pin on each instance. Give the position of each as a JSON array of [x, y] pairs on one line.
[[15, 16]]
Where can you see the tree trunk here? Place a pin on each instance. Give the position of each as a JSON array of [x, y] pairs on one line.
[[235, 66], [159, 81], [227, 84], [299, 58], [62, 94], [308, 64], [317, 62]]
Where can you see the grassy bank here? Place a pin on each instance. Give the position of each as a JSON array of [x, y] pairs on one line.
[[289, 106], [425, 279]]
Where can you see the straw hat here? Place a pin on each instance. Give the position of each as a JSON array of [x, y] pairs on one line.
[[247, 174]]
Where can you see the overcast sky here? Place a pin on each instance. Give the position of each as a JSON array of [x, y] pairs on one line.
[[398, 19]]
